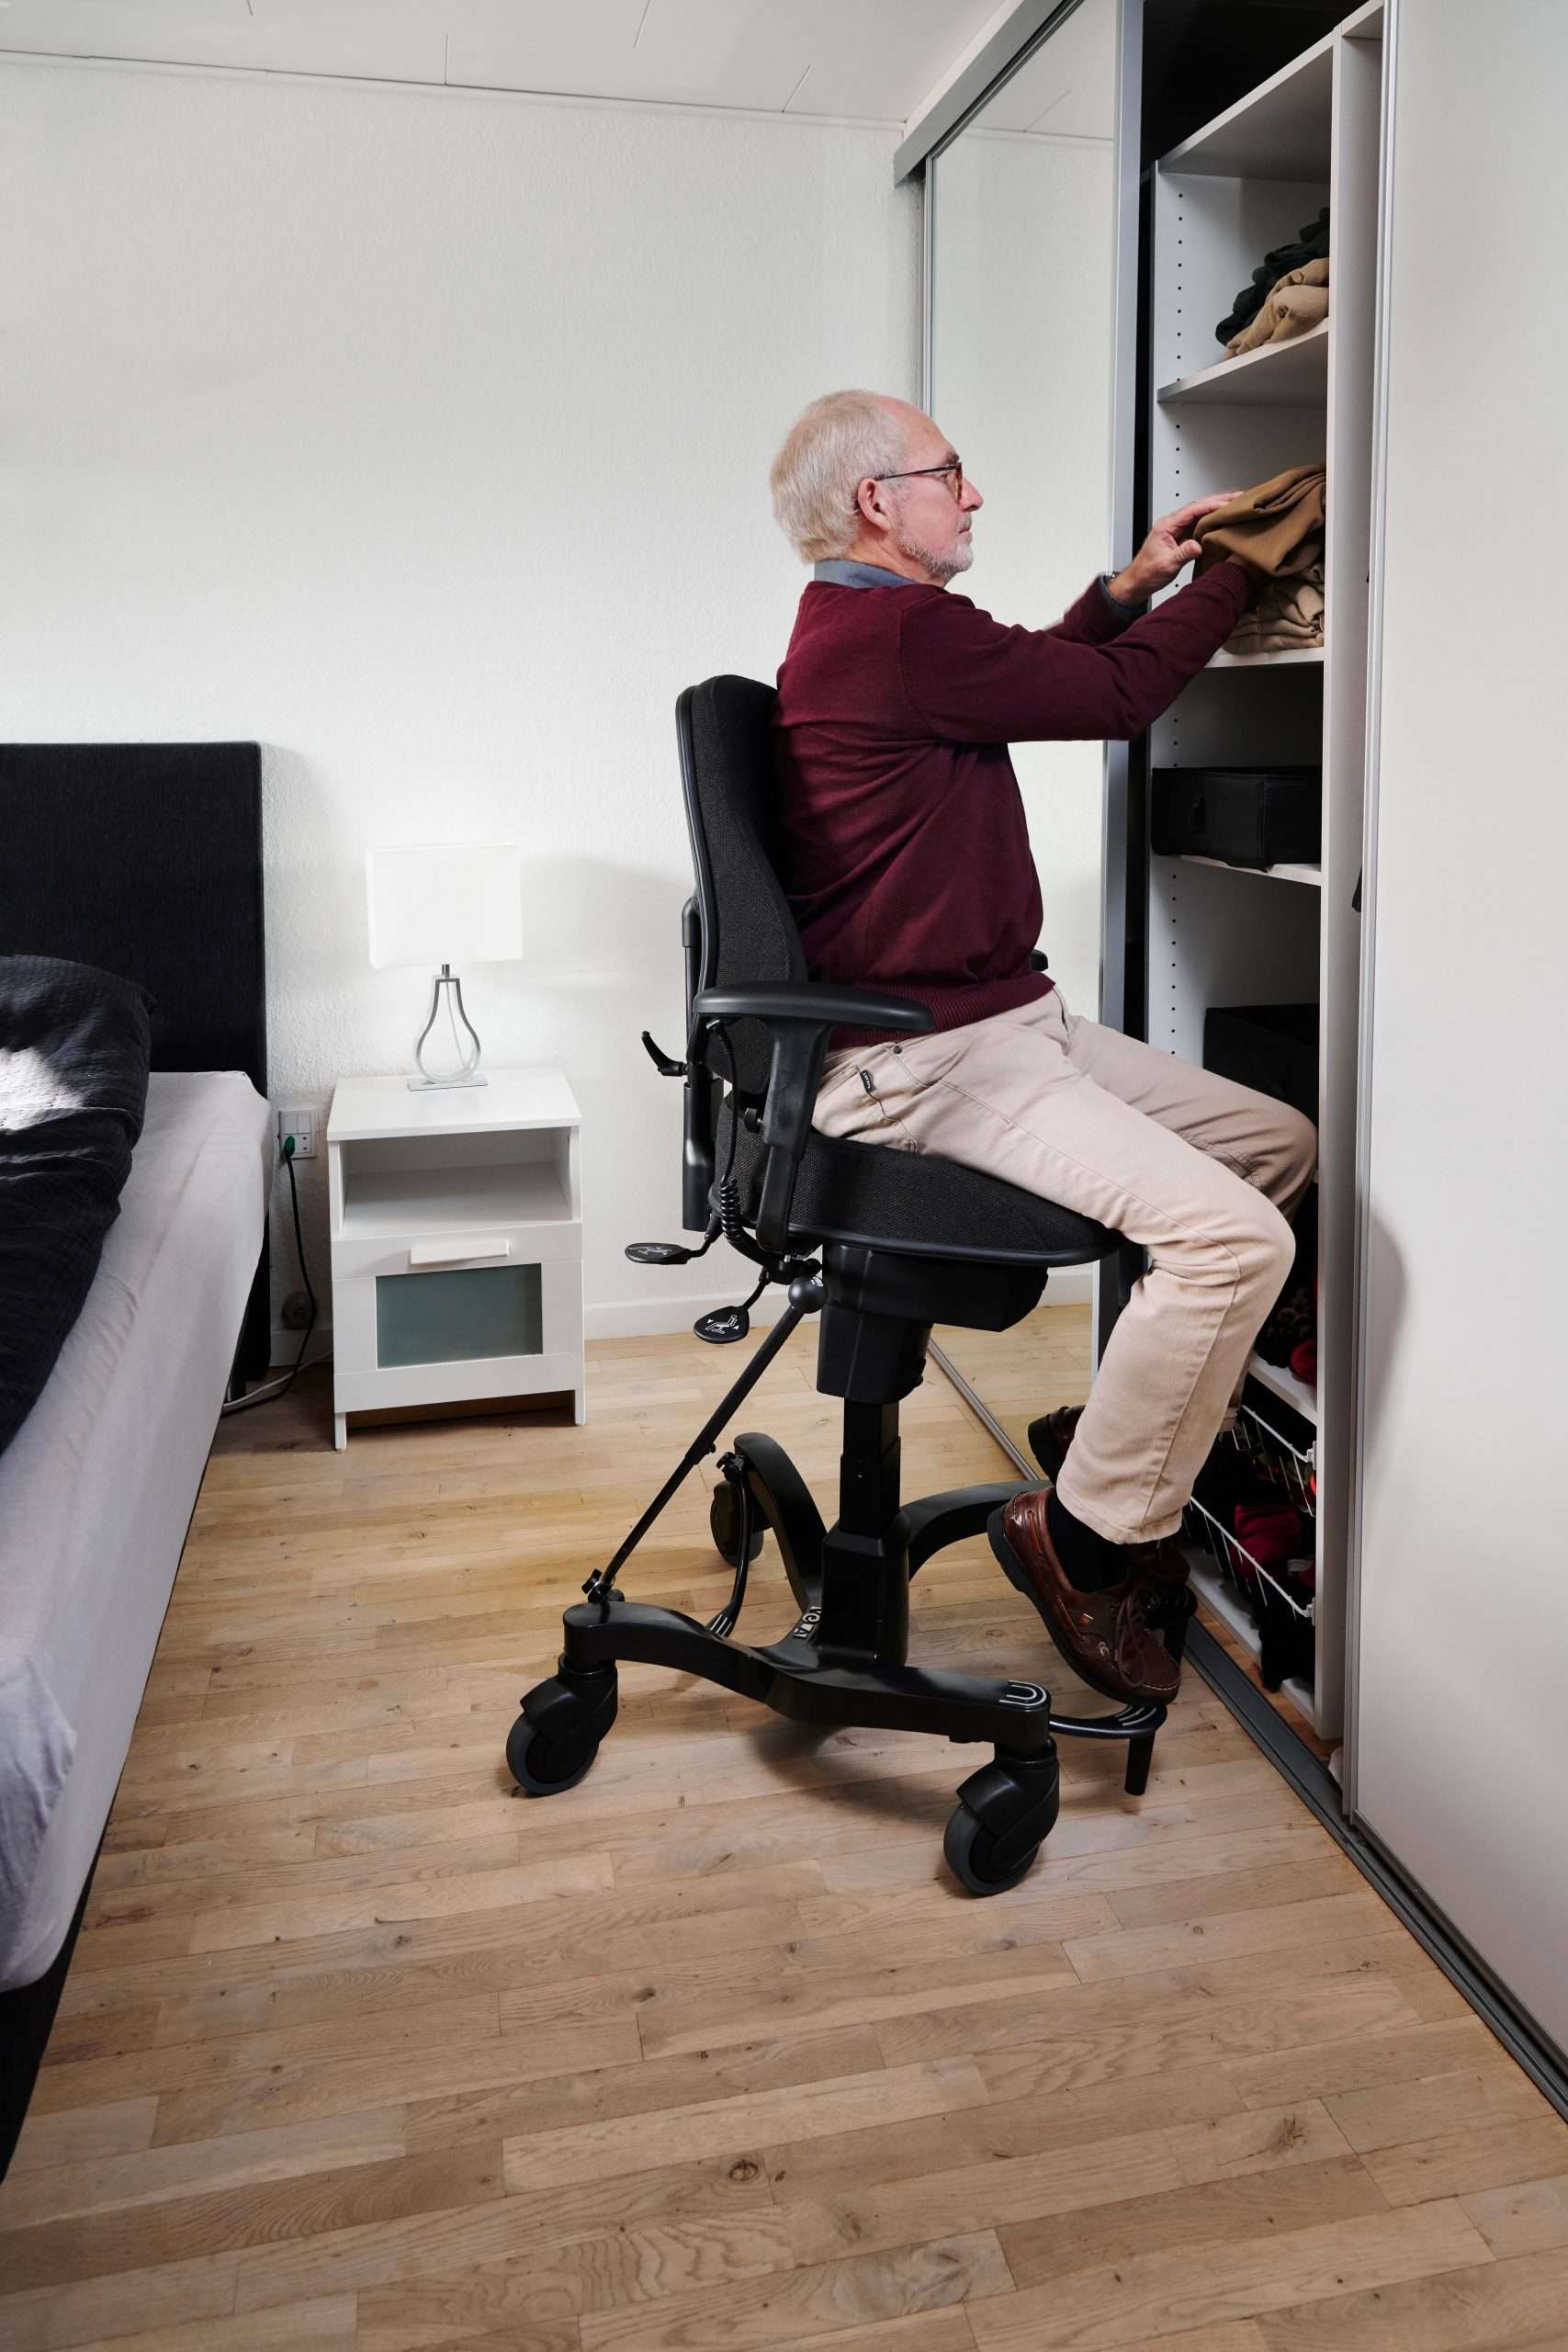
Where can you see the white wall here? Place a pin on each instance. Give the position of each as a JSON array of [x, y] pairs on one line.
[[424, 436]]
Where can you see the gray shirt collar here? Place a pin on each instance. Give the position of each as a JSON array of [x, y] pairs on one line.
[[840, 571]]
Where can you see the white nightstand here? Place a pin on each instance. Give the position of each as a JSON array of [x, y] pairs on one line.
[[456, 1241]]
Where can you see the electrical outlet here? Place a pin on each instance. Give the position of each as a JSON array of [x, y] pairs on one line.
[[299, 1122]]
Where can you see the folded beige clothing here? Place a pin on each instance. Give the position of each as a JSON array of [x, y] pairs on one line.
[[1287, 618], [1277, 525], [1293, 305]]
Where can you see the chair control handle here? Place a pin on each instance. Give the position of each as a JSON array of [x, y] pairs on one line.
[[662, 1062]]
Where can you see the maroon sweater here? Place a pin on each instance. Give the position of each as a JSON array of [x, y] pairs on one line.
[[902, 842]]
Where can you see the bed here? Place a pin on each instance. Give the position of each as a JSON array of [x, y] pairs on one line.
[[143, 860]]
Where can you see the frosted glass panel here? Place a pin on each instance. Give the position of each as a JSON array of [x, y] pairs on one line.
[[455, 1317]]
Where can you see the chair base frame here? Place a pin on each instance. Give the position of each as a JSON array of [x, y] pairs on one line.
[[844, 1659]]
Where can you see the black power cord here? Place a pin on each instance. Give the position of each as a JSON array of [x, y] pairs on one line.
[[281, 1387]]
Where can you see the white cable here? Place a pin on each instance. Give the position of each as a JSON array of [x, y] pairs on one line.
[[272, 1387]]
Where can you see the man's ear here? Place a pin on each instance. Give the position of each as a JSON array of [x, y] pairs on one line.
[[871, 498]]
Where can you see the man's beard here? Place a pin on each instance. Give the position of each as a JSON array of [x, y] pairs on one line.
[[958, 558]]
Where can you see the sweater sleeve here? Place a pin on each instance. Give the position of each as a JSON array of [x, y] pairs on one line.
[[1093, 619], [973, 680]]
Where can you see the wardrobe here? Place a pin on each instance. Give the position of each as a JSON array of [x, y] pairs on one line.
[[1425, 1712]]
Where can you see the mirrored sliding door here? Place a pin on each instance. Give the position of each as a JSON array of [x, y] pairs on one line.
[[1022, 335]]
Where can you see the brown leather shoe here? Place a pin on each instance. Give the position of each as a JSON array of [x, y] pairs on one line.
[[1051, 1435], [1163, 1574], [1163, 1567], [1102, 1635]]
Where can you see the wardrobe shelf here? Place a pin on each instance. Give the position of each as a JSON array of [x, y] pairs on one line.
[[1277, 375], [1310, 875], [1297, 656], [1281, 131], [1283, 1383]]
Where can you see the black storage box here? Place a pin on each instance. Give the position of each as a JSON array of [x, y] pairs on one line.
[[1254, 816], [1270, 1047]]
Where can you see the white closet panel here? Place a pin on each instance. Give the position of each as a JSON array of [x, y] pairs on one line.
[[1460, 1756]]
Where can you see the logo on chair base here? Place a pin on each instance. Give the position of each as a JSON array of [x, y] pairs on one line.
[[804, 1627], [1024, 1694]]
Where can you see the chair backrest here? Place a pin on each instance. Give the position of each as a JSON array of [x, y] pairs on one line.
[[725, 731]]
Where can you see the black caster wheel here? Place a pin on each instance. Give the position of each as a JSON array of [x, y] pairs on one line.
[[554, 1739], [969, 1851], [544, 1768], [1005, 1813], [724, 1522]]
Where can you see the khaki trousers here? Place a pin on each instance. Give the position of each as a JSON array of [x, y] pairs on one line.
[[1200, 1170]]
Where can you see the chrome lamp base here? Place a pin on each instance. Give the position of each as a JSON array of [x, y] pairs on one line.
[[467, 1072]]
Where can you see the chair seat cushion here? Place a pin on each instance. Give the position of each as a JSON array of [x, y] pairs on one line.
[[916, 1202]]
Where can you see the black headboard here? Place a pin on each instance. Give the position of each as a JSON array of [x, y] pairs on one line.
[[146, 859]]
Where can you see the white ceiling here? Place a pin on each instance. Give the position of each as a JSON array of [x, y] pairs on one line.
[[1068, 88], [874, 60]]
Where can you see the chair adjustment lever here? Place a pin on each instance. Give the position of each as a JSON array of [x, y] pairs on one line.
[[672, 1253], [660, 1060], [662, 1253]]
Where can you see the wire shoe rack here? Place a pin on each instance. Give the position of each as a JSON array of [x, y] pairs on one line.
[[1279, 1465]]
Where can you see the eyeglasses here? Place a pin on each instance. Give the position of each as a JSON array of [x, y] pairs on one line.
[[914, 473]]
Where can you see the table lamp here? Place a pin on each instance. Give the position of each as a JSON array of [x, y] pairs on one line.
[[435, 901]]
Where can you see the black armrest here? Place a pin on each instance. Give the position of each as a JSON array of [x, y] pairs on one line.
[[798, 1016], [816, 1001]]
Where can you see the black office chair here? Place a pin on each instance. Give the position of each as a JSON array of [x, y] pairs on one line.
[[905, 1240]]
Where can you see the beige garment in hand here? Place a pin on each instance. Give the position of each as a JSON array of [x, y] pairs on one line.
[[1294, 305], [1277, 525], [1287, 618]]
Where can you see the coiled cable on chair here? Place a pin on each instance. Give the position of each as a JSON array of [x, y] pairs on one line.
[[729, 1218], [730, 1223], [723, 1325]]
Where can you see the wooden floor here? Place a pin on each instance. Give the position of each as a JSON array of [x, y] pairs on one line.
[[359, 2048]]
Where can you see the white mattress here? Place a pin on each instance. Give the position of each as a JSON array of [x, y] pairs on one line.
[[97, 1486]]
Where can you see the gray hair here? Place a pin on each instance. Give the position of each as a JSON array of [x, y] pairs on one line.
[[828, 453]]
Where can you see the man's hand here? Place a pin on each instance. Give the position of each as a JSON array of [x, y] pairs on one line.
[[1168, 545]]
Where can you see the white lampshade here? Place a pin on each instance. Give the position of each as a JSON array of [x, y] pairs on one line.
[[445, 903]]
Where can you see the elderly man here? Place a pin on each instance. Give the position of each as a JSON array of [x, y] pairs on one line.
[[904, 854]]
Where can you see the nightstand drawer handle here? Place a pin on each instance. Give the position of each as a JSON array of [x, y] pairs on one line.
[[454, 1254]]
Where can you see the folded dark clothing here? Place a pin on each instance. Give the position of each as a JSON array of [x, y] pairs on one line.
[[1312, 246], [75, 1045]]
